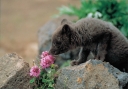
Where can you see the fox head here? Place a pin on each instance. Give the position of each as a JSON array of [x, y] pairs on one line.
[[61, 39]]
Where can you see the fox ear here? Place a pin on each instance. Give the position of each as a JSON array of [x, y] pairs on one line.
[[66, 29], [65, 21]]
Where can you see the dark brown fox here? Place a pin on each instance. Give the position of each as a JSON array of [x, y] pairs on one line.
[[101, 38]]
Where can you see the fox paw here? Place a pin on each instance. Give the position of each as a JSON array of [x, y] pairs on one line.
[[74, 62]]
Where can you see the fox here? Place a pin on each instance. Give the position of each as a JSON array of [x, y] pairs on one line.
[[93, 35]]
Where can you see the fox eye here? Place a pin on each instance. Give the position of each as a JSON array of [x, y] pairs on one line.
[[58, 42]]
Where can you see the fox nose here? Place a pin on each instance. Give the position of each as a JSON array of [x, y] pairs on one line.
[[52, 52]]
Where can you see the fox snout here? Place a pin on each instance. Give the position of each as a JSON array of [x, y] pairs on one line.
[[53, 52]]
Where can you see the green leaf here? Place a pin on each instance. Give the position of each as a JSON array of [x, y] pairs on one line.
[[49, 75], [50, 88], [32, 80], [65, 64], [124, 31], [53, 66], [47, 81], [44, 80]]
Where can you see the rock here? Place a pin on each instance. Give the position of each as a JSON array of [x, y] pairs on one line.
[[94, 74], [45, 35], [14, 72]]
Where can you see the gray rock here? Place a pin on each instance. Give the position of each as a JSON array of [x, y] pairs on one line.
[[45, 35], [94, 74], [14, 72]]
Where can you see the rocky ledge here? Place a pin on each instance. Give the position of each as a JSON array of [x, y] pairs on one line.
[[14, 72], [94, 74]]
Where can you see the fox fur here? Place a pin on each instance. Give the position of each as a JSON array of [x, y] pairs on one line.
[[101, 38]]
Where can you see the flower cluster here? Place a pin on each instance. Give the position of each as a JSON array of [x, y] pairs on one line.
[[46, 61], [35, 71]]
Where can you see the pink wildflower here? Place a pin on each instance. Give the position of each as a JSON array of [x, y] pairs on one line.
[[47, 61], [35, 71], [44, 54]]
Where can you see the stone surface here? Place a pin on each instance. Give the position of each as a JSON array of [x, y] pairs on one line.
[[14, 72], [93, 74]]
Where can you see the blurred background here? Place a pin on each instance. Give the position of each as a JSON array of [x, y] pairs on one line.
[[20, 20]]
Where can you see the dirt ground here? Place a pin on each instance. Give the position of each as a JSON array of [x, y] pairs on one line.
[[20, 21]]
